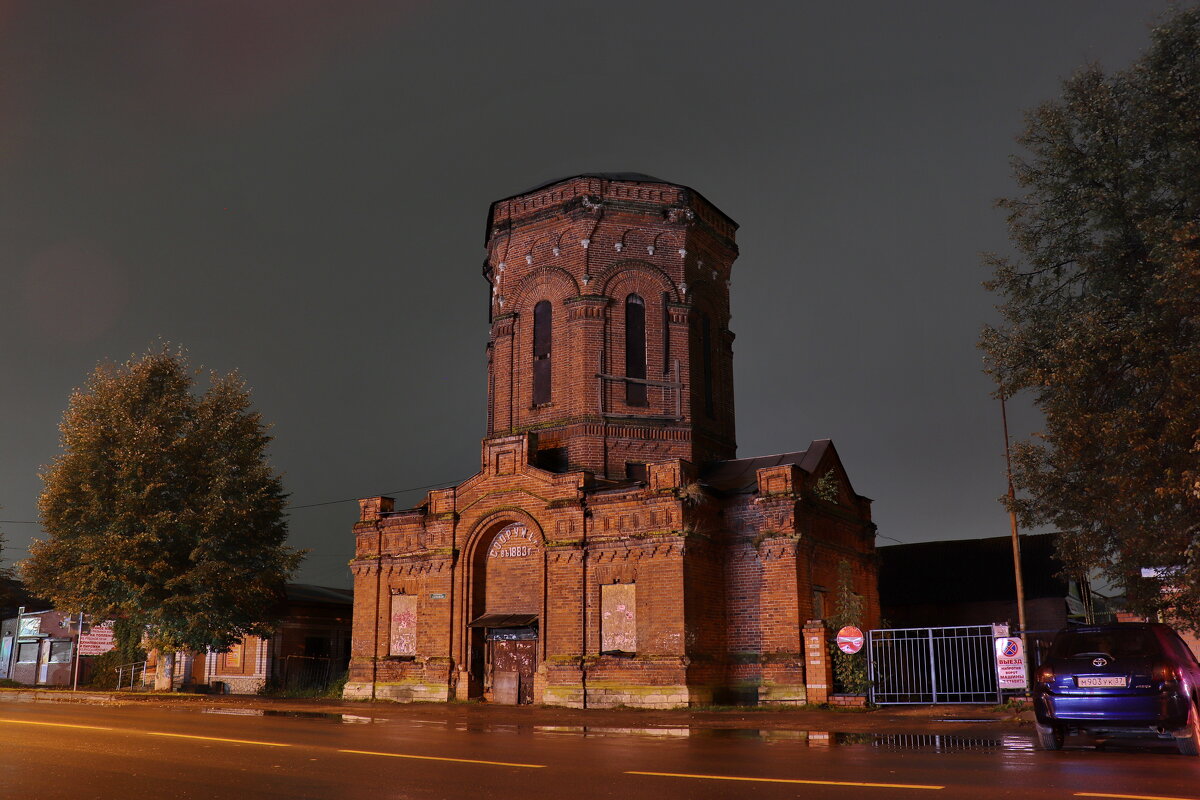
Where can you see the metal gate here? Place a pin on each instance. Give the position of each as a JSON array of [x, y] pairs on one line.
[[933, 665]]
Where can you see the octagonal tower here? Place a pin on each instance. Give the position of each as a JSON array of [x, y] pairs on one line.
[[610, 323]]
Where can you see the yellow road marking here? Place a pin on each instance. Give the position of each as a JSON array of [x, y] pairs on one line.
[[791, 780], [143, 733], [210, 738], [443, 758], [1130, 796], [53, 724]]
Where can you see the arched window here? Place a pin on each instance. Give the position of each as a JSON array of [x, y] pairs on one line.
[[635, 350], [541, 352]]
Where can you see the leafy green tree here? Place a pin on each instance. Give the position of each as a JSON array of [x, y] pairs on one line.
[[1102, 320], [849, 670], [162, 510]]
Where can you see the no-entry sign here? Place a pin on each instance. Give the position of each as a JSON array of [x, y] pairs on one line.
[[850, 639]]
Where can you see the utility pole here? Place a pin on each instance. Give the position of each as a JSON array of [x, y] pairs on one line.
[[16, 640], [78, 641], [1016, 538]]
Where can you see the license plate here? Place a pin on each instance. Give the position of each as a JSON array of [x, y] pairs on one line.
[[1085, 682]]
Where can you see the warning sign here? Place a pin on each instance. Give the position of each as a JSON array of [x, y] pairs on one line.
[[1010, 663], [850, 639]]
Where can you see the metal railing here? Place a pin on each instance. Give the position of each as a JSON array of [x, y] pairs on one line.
[[933, 665], [132, 676]]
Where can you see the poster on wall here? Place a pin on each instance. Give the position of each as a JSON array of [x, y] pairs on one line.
[[98, 640], [403, 640], [618, 623]]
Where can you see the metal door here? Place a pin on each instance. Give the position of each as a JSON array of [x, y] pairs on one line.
[[933, 665], [514, 657]]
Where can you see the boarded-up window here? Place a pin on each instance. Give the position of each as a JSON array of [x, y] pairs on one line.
[[618, 624], [635, 350], [403, 639], [541, 352]]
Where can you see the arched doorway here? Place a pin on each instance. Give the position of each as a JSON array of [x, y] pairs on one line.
[[508, 596]]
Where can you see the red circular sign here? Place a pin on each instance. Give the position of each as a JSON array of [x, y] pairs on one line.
[[850, 639]]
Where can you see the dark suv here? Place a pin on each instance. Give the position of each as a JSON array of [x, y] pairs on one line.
[[1125, 677]]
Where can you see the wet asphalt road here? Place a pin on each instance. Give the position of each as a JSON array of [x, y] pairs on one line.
[[83, 752]]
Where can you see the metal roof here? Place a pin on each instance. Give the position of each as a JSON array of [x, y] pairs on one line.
[[504, 621], [738, 475]]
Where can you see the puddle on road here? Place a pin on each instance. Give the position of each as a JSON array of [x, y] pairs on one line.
[[884, 741], [937, 743], [348, 719]]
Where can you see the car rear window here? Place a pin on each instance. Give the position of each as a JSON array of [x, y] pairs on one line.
[[1119, 644]]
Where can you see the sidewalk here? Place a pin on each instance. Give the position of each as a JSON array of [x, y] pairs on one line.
[[958, 720]]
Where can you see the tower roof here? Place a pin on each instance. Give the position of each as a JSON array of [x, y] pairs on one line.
[[625, 177], [632, 177]]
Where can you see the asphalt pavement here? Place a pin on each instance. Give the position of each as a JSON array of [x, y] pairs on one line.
[[914, 719]]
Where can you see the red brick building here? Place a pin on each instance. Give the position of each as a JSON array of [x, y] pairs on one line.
[[611, 549]]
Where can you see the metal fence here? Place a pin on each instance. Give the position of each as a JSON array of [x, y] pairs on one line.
[[132, 676], [933, 665], [302, 673]]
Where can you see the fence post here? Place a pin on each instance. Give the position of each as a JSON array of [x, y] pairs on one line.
[[818, 672], [933, 683]]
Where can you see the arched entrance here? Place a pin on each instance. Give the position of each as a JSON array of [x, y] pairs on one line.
[[507, 601]]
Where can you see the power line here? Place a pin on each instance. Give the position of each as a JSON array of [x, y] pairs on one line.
[[289, 508], [355, 499]]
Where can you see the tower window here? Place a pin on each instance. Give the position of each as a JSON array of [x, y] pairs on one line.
[[635, 350], [706, 346], [666, 333], [541, 352]]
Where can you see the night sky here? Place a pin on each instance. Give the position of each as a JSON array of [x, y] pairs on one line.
[[298, 190]]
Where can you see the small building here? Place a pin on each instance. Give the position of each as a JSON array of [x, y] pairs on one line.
[[37, 648], [310, 649], [612, 548]]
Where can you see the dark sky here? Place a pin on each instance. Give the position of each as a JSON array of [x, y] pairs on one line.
[[298, 190]]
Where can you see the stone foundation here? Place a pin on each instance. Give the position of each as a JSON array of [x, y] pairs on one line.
[[407, 692]]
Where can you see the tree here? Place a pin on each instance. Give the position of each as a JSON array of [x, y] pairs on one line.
[[1102, 320], [849, 669], [162, 511]]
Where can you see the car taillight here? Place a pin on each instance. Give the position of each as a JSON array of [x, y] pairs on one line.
[[1045, 674], [1165, 672]]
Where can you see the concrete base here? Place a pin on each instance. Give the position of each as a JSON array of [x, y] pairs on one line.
[[414, 692], [779, 694], [603, 695]]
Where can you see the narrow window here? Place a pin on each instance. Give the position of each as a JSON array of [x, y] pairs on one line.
[[706, 346], [541, 353], [666, 333], [635, 350]]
